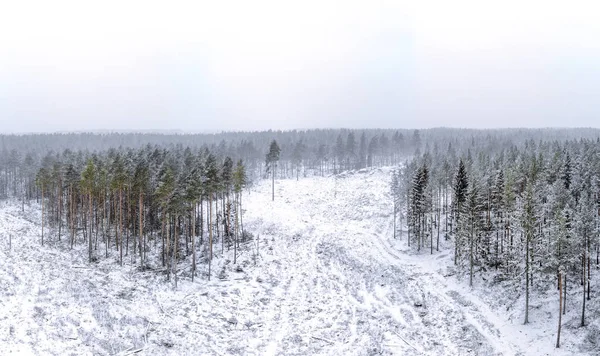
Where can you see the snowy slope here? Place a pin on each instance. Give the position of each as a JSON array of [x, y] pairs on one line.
[[330, 280]]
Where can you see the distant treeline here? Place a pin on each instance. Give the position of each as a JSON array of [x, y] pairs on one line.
[[318, 152]]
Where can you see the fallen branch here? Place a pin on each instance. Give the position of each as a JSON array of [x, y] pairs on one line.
[[401, 338], [320, 338], [146, 333], [133, 352]]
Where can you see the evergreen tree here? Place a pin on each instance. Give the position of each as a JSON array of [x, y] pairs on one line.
[[362, 152], [239, 182], [211, 186], [140, 186], [350, 152], [272, 158], [472, 225], [419, 204], [461, 185], [529, 224], [42, 179], [299, 149], [339, 153], [119, 183], [88, 177]]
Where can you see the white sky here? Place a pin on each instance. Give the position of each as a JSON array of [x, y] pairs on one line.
[[240, 65]]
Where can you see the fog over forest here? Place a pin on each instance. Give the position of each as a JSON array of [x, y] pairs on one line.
[[300, 178]]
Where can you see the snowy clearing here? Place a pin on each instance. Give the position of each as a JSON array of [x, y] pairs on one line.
[[330, 280]]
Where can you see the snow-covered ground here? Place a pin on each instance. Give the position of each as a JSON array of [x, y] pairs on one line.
[[330, 280]]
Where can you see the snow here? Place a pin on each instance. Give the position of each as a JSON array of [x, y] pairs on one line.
[[329, 280]]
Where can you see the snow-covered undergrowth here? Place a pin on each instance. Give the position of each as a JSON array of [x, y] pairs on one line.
[[329, 280]]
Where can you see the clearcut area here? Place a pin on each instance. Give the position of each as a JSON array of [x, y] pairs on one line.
[[323, 276]]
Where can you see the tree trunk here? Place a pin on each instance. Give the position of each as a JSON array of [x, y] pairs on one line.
[[127, 223], [106, 238], [174, 257], [589, 276], [90, 233], [472, 238], [242, 214], [237, 228], [584, 275], [560, 301], [97, 223], [527, 279], [210, 234], [42, 215], [162, 235], [446, 205], [201, 221], [564, 311], [141, 230], [168, 247], [439, 218], [194, 240], [431, 236], [71, 216], [120, 242], [222, 236], [455, 219], [60, 203]]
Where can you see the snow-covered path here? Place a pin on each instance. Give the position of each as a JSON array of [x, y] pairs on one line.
[[346, 290]]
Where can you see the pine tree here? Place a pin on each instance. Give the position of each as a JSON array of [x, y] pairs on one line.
[[119, 183], [42, 183], [321, 156], [164, 192], [88, 177], [72, 180], [193, 194], [239, 182], [362, 152], [372, 150], [272, 158], [339, 154], [140, 186], [299, 149], [211, 186], [227, 179], [350, 149]]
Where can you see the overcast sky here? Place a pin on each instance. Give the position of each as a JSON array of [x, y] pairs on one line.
[[258, 64]]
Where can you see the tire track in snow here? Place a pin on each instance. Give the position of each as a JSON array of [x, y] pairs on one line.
[[476, 312], [362, 295], [473, 316]]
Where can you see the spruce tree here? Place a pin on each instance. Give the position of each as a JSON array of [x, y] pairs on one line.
[[461, 185]]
